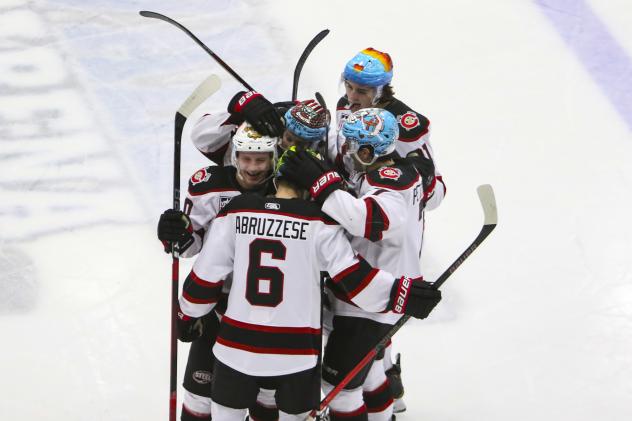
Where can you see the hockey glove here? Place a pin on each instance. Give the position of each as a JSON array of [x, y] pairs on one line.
[[310, 173], [424, 166], [175, 227], [189, 328], [258, 111], [415, 298]]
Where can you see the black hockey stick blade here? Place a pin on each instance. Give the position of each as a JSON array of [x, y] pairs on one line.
[[301, 61], [148, 14], [321, 101]]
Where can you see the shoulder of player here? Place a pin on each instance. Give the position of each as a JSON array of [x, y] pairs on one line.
[[399, 176], [293, 208], [212, 179], [412, 125]]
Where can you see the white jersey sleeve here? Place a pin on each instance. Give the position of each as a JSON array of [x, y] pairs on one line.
[[203, 287], [367, 287], [211, 135]]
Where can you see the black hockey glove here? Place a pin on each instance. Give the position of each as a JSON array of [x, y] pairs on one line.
[[175, 227], [424, 166], [416, 298], [257, 111], [189, 328], [283, 106], [310, 173]]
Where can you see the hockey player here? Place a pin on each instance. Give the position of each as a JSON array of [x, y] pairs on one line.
[[210, 189], [270, 333], [385, 220], [367, 82]]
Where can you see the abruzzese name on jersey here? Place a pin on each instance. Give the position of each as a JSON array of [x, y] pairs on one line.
[[270, 227]]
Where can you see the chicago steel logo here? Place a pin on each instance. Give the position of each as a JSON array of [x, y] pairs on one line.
[[200, 176], [202, 377], [408, 120], [390, 173]]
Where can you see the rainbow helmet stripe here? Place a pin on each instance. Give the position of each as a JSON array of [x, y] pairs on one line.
[[369, 67]]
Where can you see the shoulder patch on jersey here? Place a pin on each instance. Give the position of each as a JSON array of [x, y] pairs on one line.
[[408, 120], [400, 176], [212, 179], [412, 124], [389, 173], [200, 176]]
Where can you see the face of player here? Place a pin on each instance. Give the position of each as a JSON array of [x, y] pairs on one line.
[[253, 168], [359, 96], [290, 139]]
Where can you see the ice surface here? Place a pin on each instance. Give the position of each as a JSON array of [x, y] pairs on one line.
[[537, 324]]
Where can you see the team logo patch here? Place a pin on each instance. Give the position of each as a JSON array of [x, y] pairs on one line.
[[390, 173], [408, 120], [223, 201], [202, 377], [273, 206], [200, 176]]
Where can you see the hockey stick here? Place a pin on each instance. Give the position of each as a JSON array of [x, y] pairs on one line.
[[301, 61], [321, 101], [201, 93], [488, 202], [221, 62]]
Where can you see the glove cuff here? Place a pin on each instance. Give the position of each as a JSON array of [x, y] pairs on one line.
[[324, 185], [239, 101], [399, 294]]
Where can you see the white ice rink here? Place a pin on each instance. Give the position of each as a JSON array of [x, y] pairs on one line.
[[531, 96]]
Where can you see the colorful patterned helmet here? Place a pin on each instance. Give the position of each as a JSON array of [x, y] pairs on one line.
[[372, 127], [247, 139], [369, 68], [307, 120]]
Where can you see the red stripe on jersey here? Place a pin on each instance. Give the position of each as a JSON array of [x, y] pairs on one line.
[[266, 350], [346, 272], [413, 139], [195, 300], [204, 283], [375, 225], [367, 279], [212, 191], [369, 218], [271, 329], [357, 412]]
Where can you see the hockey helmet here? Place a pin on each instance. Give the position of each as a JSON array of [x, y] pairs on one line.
[[247, 139], [369, 67], [373, 127], [307, 120]]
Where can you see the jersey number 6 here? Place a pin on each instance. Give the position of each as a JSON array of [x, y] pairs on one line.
[[265, 283]]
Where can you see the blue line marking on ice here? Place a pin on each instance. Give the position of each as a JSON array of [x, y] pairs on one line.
[[588, 37]]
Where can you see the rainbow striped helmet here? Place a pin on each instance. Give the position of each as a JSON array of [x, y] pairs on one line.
[[369, 67]]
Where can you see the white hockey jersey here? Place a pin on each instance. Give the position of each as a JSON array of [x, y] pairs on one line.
[[276, 249], [386, 222], [210, 189]]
